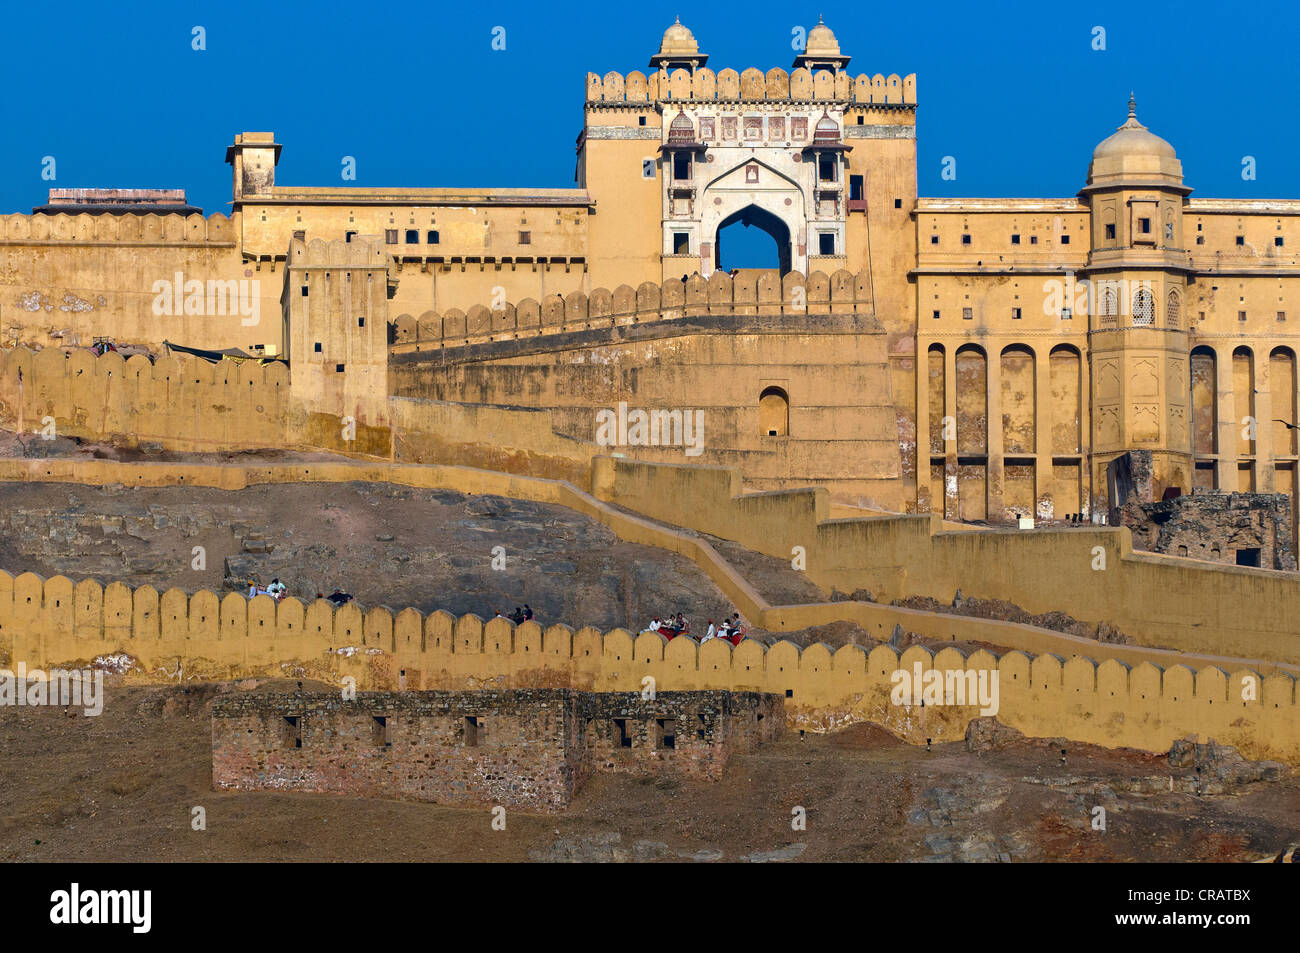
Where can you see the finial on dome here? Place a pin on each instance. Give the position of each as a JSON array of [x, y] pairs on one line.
[[1132, 106]]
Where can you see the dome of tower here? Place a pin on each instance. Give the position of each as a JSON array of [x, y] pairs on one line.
[[821, 51], [678, 49], [1134, 154], [821, 41], [678, 41]]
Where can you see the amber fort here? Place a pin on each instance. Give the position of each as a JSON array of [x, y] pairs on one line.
[[1083, 405]]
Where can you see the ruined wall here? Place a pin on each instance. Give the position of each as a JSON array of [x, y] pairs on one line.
[[1243, 529], [531, 749], [676, 733], [462, 748]]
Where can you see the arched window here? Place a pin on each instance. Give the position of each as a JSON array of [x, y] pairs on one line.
[[1173, 310], [1108, 302], [1144, 307], [774, 413]]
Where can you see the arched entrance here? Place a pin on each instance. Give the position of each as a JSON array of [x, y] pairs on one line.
[[752, 254]]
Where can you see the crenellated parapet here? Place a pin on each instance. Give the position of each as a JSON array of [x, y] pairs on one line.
[[107, 228], [751, 85], [747, 293], [180, 401], [179, 636]]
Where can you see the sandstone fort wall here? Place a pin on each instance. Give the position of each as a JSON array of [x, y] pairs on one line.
[[749, 293], [1176, 603], [66, 279], [173, 635], [879, 620]]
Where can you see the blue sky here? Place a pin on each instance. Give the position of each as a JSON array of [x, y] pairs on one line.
[[1015, 93]]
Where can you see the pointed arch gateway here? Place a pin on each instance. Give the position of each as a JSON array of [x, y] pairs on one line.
[[752, 216], [752, 193]]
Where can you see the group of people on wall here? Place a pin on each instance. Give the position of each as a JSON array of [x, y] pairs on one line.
[[732, 628], [518, 616], [278, 590]]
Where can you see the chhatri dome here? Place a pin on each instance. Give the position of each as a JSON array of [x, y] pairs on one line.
[[821, 50], [1134, 155], [678, 49], [821, 40]]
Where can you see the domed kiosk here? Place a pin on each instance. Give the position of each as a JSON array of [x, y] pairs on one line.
[[678, 50], [821, 51]]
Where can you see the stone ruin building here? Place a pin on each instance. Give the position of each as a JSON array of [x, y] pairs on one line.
[[531, 749]]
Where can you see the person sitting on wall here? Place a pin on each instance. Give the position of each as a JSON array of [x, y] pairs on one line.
[[339, 597], [711, 633], [528, 613], [276, 590], [679, 625], [654, 625], [517, 616]]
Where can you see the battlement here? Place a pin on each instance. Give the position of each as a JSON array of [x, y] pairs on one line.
[[748, 293], [110, 228], [245, 404], [751, 85], [175, 635]]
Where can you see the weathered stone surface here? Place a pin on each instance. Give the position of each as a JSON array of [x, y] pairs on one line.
[[530, 749], [1247, 529], [1220, 768], [989, 734], [789, 852]]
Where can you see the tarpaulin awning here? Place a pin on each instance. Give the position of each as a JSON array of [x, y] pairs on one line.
[[225, 354]]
